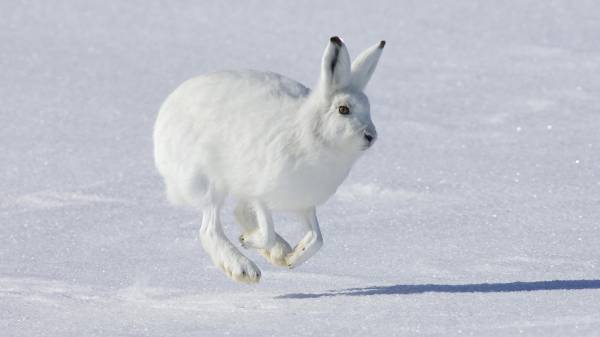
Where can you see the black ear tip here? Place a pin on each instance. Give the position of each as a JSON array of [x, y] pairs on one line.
[[382, 44], [336, 40]]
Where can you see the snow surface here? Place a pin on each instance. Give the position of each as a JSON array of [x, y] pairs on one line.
[[476, 213]]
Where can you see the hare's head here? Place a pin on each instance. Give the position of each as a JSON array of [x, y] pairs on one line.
[[343, 108]]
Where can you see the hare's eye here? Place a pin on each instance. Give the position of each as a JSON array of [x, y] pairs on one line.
[[344, 110]]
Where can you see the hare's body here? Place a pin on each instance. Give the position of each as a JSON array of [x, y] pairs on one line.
[[207, 145], [269, 142]]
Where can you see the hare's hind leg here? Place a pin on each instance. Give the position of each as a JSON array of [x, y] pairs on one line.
[[222, 252], [250, 218], [310, 243]]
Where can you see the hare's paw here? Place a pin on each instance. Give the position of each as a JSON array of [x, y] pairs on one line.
[[306, 248], [257, 239], [276, 254], [239, 268]]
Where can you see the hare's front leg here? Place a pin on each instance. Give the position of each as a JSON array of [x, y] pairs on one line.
[[246, 216], [263, 235], [310, 244]]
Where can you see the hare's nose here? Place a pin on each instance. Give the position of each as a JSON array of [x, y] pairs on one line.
[[370, 137]]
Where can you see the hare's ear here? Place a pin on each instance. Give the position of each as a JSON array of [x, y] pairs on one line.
[[364, 66], [335, 67]]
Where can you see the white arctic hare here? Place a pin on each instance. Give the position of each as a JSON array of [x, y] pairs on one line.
[[271, 143]]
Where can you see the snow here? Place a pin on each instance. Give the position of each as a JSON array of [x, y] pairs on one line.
[[476, 212]]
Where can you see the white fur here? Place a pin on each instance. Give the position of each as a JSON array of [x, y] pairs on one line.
[[271, 143]]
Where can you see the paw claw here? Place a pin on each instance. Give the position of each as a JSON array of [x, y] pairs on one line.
[[243, 242]]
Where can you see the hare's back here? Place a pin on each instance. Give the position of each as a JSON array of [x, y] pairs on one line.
[[254, 81], [233, 98], [227, 98], [221, 124], [247, 89]]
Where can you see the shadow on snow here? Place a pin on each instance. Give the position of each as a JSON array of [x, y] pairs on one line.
[[408, 289]]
